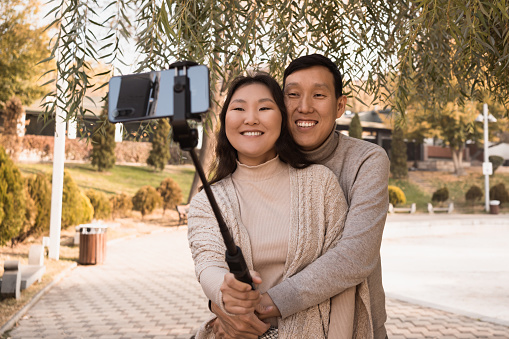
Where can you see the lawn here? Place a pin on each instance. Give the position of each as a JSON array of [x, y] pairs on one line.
[[120, 179], [420, 185]]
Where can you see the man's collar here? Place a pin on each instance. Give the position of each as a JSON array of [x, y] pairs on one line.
[[325, 150]]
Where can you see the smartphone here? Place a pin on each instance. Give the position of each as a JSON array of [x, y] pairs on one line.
[[136, 97]]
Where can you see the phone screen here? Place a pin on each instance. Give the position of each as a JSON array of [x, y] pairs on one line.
[[143, 96]]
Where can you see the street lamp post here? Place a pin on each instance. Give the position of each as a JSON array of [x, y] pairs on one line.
[[487, 167]]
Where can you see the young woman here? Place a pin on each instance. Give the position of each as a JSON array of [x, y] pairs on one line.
[[283, 212]]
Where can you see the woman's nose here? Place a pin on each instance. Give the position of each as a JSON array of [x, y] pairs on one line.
[[251, 118]]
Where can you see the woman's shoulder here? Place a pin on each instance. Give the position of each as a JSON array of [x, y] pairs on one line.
[[218, 187]]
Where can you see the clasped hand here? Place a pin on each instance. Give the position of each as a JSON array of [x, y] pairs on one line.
[[247, 309]]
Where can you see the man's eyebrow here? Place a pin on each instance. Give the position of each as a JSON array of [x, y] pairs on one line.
[[317, 84]]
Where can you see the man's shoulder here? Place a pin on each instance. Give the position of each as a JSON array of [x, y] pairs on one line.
[[353, 147]]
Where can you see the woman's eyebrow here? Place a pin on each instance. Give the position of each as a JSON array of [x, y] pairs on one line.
[[266, 99], [238, 100]]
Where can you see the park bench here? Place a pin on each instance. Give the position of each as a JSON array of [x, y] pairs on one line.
[[183, 210], [410, 209], [17, 278], [447, 209]]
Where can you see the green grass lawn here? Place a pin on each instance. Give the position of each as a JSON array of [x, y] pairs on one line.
[[120, 179]]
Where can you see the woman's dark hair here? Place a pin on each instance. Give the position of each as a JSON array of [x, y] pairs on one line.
[[308, 61], [225, 162]]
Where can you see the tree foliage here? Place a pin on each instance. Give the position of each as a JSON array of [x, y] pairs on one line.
[[10, 138], [396, 195], [22, 46], [160, 152], [355, 128], [76, 207], [146, 200]]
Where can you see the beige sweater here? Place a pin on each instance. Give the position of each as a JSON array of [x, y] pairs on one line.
[[363, 172], [312, 231]]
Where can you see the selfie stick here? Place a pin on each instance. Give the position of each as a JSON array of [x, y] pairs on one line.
[[188, 139]]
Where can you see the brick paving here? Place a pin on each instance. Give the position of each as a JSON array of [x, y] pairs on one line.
[[147, 289]]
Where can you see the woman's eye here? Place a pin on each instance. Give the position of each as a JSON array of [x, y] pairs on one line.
[[237, 109], [265, 108]]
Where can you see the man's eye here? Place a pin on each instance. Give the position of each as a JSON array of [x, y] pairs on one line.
[[319, 95], [291, 94]]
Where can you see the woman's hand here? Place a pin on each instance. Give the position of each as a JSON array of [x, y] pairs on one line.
[[239, 298]]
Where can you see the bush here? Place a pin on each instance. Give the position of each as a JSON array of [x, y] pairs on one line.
[[160, 153], [499, 192], [170, 192], [496, 161], [121, 205], [101, 204], [12, 199], [396, 195], [39, 189], [146, 200], [76, 207], [440, 195], [473, 194]]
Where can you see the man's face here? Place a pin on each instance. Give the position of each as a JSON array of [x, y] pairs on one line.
[[312, 106]]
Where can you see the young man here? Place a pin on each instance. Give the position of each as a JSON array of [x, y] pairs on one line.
[[314, 99]]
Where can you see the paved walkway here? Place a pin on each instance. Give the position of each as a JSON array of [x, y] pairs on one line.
[[147, 289]]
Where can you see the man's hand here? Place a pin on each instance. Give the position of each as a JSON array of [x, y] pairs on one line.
[[246, 326], [239, 298]]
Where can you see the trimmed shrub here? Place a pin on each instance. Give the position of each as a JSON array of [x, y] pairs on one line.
[[473, 194], [12, 199], [76, 207], [499, 192], [160, 153], [496, 161], [171, 194], [440, 195], [396, 195], [355, 128], [101, 204], [121, 205], [146, 200], [39, 189], [398, 159]]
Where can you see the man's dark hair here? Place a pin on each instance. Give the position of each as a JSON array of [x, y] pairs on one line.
[[289, 152], [311, 60]]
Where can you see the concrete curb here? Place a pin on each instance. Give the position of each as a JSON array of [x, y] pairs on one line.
[[458, 311], [15, 318]]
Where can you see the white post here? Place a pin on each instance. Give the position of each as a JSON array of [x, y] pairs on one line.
[[57, 184], [486, 175]]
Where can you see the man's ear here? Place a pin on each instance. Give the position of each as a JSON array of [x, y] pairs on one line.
[[341, 106]]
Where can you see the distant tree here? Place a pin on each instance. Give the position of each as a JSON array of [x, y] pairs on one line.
[[473, 194], [355, 128], [170, 193], [103, 144], [101, 204], [440, 195], [76, 207], [22, 46], [396, 195], [160, 153], [399, 167], [496, 160]]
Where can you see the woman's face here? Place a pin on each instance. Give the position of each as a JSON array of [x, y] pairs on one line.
[[253, 124]]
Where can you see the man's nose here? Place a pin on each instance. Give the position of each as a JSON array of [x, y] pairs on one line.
[[305, 104]]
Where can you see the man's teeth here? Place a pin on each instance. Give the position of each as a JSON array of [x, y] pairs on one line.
[[252, 133], [306, 123]]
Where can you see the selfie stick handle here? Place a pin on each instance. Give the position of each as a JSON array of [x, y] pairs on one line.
[[188, 138]]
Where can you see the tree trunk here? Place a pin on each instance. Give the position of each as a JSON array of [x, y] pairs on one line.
[[457, 159]]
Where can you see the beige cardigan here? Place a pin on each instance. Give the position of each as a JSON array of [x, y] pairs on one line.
[[318, 211]]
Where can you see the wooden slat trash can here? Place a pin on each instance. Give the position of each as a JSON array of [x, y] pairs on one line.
[[92, 244]]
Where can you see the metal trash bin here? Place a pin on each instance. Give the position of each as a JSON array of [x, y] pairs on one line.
[[494, 206], [92, 244]]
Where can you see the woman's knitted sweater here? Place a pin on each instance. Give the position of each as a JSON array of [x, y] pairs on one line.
[[317, 212]]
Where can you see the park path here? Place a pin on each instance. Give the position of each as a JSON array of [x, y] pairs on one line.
[[147, 289]]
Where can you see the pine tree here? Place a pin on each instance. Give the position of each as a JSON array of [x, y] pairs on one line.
[[355, 129], [160, 153], [398, 154], [103, 144]]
